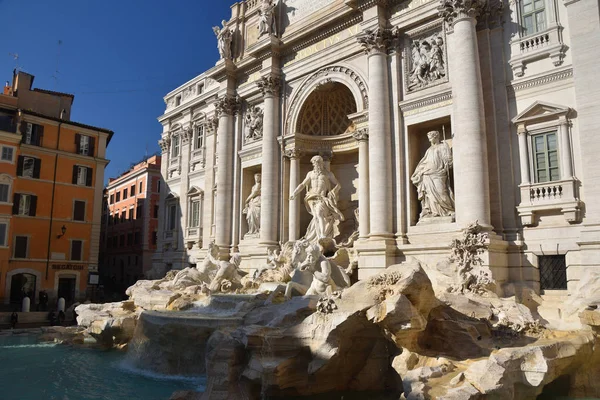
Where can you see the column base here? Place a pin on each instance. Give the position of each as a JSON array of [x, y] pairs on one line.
[[375, 255], [254, 253]]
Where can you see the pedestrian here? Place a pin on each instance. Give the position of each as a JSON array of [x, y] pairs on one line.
[[14, 318]]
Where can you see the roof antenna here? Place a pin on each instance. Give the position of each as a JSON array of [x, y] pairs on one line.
[[56, 72]]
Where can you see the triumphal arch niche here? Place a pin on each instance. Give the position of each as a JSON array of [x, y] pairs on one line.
[[378, 126]]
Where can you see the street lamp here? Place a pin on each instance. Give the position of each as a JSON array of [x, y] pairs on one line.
[[62, 230]]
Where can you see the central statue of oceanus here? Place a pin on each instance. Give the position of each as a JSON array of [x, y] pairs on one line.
[[322, 189]]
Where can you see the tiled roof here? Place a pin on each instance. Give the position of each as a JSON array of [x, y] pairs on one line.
[[95, 128]]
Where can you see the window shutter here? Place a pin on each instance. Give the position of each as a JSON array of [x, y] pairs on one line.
[[37, 166], [39, 130], [75, 170], [77, 143], [20, 166], [88, 176], [33, 206], [23, 131], [91, 146], [16, 201]]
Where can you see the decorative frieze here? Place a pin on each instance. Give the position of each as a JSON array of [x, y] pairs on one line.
[[426, 65], [375, 40], [269, 85], [228, 105]]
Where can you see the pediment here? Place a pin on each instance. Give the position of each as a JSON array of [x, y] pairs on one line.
[[198, 116], [195, 191], [541, 110], [172, 196]]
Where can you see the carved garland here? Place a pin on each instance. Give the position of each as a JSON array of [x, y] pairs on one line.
[[323, 73]]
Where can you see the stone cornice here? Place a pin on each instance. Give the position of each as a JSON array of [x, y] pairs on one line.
[[425, 101], [227, 105], [376, 40], [542, 80]]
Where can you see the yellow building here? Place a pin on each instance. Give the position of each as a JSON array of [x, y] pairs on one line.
[[51, 181]]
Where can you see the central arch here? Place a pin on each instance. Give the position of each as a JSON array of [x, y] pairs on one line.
[[325, 111]]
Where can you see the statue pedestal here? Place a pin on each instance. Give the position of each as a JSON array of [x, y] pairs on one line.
[[435, 220]]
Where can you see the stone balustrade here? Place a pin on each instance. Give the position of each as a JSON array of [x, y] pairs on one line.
[[535, 42], [562, 196]]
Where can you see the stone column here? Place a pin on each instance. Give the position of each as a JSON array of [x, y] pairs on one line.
[[226, 108], [376, 43], [184, 157], [565, 146], [523, 155], [294, 215], [362, 136], [269, 198], [469, 150]]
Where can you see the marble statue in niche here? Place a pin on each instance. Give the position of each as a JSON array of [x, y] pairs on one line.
[[322, 192], [266, 18], [253, 128], [427, 63], [224, 38], [252, 209], [431, 177]]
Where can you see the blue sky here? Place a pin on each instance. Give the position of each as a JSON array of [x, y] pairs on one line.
[[119, 58]]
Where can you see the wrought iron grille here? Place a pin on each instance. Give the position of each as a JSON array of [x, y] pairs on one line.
[[553, 272]]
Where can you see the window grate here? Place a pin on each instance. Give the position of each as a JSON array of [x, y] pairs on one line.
[[553, 272]]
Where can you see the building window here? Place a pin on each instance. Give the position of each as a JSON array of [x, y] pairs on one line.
[[7, 154], [4, 192], [24, 204], [177, 101], [199, 137], [118, 196], [553, 272], [29, 167], [123, 215], [154, 237], [158, 186], [172, 217], [545, 157], [124, 194], [3, 233], [131, 213], [82, 176], [76, 250], [175, 146], [85, 145], [132, 190], [200, 88], [78, 210], [155, 211], [21, 246], [141, 186], [112, 199], [195, 214], [533, 16], [136, 238], [139, 210], [31, 133]]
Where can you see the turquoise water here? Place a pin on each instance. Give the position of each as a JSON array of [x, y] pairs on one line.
[[32, 371]]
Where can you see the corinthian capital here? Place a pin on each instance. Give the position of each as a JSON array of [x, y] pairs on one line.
[[294, 154], [454, 10], [269, 85], [375, 40], [228, 105], [361, 134]]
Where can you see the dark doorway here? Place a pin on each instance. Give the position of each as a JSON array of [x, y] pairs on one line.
[[66, 289], [22, 285]]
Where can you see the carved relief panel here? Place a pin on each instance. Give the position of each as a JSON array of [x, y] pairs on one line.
[[425, 58]]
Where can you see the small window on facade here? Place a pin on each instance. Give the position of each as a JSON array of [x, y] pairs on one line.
[[76, 250], [199, 140], [29, 167], [7, 153], [175, 147], [124, 194], [141, 187], [4, 192], [139, 210], [200, 88], [154, 237], [131, 214], [118, 196], [79, 210], [3, 234], [553, 272], [85, 145], [31, 133], [132, 190], [82, 176], [24, 204], [158, 186], [21, 246], [177, 101], [155, 211], [195, 214], [112, 199], [172, 222], [545, 157], [533, 16], [123, 215]]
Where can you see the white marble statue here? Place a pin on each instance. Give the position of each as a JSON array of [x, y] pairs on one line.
[[252, 208], [227, 277], [266, 19], [253, 128], [431, 177], [224, 38], [321, 201]]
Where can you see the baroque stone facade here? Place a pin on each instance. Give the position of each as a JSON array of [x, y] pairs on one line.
[[361, 84]]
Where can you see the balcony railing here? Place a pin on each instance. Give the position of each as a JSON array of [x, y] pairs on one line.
[[562, 196]]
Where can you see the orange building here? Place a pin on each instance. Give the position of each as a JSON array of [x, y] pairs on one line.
[[130, 225], [51, 179]]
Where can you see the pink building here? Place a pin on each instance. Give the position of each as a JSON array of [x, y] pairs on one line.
[[130, 224]]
